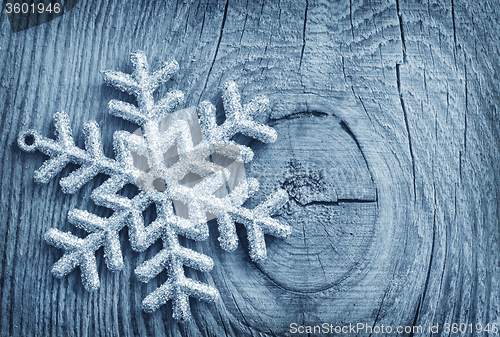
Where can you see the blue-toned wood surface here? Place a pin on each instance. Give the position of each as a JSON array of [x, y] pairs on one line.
[[388, 122]]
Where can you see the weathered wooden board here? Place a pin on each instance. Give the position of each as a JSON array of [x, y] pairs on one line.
[[387, 113]]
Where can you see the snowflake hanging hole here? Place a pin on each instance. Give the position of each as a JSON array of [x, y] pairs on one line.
[[28, 140]]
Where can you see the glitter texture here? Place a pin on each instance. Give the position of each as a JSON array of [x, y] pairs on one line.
[[199, 199]]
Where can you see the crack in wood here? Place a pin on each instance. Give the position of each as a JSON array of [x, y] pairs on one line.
[[407, 125], [216, 50]]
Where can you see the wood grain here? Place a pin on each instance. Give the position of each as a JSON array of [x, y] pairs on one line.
[[394, 103]]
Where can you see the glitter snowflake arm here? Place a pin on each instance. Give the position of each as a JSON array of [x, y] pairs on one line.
[[109, 228], [63, 151], [81, 252], [239, 119], [142, 84], [257, 222], [178, 287], [77, 252]]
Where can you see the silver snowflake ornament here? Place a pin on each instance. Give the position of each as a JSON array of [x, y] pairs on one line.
[[200, 197]]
